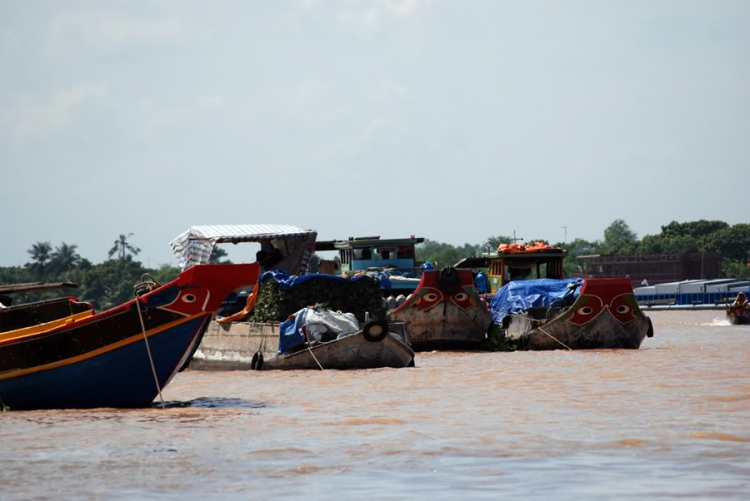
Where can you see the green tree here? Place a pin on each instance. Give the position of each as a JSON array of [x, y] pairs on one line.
[[65, 258], [442, 254], [696, 229], [495, 241], [732, 242], [111, 283], [40, 254], [123, 248], [217, 256], [619, 238]]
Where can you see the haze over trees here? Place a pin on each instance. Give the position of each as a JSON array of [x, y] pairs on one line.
[[111, 282]]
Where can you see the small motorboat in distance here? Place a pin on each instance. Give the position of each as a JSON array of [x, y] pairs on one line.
[[738, 312]]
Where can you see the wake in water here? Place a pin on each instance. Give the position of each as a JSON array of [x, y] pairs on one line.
[[717, 322]]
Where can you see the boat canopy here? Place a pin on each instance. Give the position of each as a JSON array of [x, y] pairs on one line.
[[295, 244]]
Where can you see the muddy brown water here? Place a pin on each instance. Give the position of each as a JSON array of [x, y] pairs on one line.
[[670, 420]]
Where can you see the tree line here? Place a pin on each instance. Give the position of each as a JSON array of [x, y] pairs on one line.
[[111, 282], [731, 241], [105, 285]]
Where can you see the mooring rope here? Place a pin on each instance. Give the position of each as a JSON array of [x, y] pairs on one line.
[[307, 339], [554, 338], [313, 355], [542, 329], [148, 349]]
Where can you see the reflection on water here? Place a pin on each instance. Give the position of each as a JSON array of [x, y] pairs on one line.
[[669, 420]]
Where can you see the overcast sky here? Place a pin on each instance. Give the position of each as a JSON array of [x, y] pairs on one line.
[[451, 120]]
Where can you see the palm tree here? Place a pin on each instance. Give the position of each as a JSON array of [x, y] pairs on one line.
[[40, 255], [65, 257], [123, 248]]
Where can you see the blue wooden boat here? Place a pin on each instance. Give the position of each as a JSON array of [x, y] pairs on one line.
[[115, 358]]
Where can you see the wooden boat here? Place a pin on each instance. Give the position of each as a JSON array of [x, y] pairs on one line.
[[43, 312], [396, 257], [444, 312], [250, 345], [121, 357], [738, 315], [605, 315]]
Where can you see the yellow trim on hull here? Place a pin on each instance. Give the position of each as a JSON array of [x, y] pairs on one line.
[[47, 326], [91, 354]]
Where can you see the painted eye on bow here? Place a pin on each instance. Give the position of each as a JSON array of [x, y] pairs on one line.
[[622, 309], [188, 298], [461, 296], [431, 297], [586, 310]]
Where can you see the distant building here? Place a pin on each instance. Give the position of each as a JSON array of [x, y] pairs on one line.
[[654, 268]]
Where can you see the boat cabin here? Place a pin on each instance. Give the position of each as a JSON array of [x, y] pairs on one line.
[[372, 253], [394, 256], [504, 267]]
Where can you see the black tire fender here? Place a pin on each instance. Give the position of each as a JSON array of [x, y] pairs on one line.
[[256, 363], [650, 332], [449, 281], [375, 330]]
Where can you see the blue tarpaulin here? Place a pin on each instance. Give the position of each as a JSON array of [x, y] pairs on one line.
[[287, 281], [290, 331], [515, 297]]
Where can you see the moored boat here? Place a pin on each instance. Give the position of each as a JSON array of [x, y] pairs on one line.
[[121, 357], [43, 312], [549, 316], [445, 311], [557, 313], [265, 343], [288, 346]]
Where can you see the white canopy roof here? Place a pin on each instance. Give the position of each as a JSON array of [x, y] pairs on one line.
[[195, 245]]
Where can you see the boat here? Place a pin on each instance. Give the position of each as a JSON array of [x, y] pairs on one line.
[[233, 343], [121, 357], [47, 312], [551, 312], [738, 312], [445, 312], [396, 257], [290, 346], [737, 315]]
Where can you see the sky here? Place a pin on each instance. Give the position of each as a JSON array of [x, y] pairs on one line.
[[450, 120]]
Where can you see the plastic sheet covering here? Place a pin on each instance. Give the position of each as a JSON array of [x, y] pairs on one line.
[[287, 281], [317, 321], [515, 297]]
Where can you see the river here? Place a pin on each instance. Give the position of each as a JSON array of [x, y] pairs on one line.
[[671, 420]]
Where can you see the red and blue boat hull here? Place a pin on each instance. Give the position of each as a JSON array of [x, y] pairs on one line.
[[103, 361]]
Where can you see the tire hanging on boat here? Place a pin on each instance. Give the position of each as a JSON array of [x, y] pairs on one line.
[[375, 330], [256, 363], [449, 280]]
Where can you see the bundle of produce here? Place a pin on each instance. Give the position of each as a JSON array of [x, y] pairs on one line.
[[276, 301]]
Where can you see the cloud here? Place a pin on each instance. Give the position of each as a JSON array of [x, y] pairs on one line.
[[364, 14], [32, 117], [159, 119], [386, 91], [107, 28]]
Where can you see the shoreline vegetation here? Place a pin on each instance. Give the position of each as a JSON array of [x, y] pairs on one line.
[[111, 282]]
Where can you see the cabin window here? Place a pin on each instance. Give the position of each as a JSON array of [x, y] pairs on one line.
[[405, 252], [364, 254], [383, 253]]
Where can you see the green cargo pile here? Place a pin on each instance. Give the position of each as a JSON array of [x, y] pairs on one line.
[[274, 304]]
